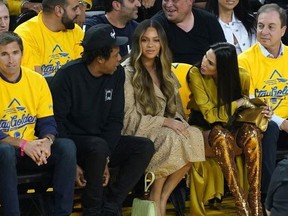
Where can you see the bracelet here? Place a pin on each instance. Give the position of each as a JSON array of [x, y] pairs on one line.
[[22, 146], [50, 139]]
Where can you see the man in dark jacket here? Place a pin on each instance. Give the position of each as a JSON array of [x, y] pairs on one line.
[[88, 98]]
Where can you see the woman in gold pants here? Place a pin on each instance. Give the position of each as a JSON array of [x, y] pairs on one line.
[[217, 87]]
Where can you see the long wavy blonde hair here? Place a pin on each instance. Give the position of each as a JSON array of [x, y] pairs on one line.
[[142, 82]]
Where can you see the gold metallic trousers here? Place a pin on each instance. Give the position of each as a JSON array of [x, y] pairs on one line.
[[247, 137]]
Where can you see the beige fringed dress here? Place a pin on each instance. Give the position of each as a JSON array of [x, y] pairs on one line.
[[172, 150]]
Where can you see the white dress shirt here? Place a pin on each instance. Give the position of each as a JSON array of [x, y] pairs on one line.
[[236, 29]]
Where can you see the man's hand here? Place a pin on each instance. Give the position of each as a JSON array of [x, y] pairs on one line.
[[33, 150], [45, 151], [148, 3], [106, 175], [284, 126], [80, 180]]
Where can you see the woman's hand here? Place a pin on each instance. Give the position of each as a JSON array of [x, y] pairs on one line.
[[268, 112], [244, 102], [178, 126]]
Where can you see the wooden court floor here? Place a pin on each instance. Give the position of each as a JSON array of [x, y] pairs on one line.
[[226, 208]]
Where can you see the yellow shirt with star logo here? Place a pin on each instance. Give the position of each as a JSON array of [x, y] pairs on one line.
[[22, 103], [46, 50], [268, 77]]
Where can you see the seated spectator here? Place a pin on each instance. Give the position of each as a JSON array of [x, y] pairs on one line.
[[217, 86], [190, 31], [277, 200], [266, 62], [88, 96], [120, 15], [27, 132], [238, 24], [84, 6], [4, 17], [51, 39], [153, 110]]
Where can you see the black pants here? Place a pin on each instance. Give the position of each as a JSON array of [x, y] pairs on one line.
[[277, 199], [131, 157]]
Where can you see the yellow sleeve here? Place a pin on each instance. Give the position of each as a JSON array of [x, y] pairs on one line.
[[14, 7], [244, 64], [245, 81], [205, 97], [31, 46], [79, 37], [45, 104]]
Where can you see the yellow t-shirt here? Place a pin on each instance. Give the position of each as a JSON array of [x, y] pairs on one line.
[[47, 50], [22, 103], [269, 77]]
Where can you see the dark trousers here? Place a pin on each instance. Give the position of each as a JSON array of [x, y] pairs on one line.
[[269, 149], [131, 157], [62, 163], [277, 199], [92, 152], [283, 140]]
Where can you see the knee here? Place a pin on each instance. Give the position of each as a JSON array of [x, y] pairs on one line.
[[218, 133], [146, 146], [98, 145], [248, 134], [64, 148], [272, 130], [7, 153]]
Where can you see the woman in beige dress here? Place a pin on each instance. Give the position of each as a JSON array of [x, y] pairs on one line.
[[153, 110]]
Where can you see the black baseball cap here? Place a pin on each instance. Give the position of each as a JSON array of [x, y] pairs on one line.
[[101, 35]]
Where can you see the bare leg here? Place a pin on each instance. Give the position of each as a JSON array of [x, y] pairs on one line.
[[170, 184], [155, 193]]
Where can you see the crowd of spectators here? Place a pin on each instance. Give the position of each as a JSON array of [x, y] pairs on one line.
[[102, 115]]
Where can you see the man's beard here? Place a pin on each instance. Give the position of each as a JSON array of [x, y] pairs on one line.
[[68, 23]]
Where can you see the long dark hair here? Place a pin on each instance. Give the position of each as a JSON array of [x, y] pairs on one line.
[[228, 78], [241, 11]]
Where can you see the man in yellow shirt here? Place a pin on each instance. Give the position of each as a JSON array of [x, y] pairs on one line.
[[266, 62], [51, 39], [27, 132]]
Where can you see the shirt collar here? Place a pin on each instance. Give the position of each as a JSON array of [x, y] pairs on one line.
[[234, 20], [16, 81], [266, 53]]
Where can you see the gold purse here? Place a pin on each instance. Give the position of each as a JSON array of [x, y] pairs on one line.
[[253, 114]]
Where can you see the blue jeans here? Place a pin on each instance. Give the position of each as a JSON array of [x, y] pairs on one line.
[[62, 163]]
